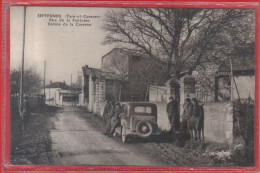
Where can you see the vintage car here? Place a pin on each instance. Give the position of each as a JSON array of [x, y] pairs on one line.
[[139, 119]]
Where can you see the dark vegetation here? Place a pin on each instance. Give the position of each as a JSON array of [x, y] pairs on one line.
[[244, 134], [30, 145]]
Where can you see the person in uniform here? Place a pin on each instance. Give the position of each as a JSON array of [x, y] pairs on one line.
[[109, 116], [172, 111], [105, 113], [115, 120], [187, 110], [193, 122]]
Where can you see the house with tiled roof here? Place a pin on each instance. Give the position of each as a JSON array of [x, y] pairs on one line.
[[61, 85], [59, 93], [236, 79]]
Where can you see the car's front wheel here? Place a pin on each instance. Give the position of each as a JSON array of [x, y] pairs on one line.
[[124, 135]]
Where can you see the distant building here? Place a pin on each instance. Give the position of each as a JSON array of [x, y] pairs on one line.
[[59, 93]]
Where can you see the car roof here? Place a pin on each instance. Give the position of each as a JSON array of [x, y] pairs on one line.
[[138, 103]]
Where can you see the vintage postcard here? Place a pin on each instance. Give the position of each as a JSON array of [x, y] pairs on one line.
[[152, 87]]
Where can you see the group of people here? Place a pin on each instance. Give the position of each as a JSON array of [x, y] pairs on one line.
[[111, 117], [192, 117]]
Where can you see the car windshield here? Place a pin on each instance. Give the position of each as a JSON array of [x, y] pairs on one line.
[[143, 109]]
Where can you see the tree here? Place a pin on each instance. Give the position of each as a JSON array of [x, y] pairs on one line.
[[147, 71], [32, 81], [179, 39], [119, 66]]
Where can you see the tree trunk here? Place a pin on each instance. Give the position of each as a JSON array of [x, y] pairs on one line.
[[120, 93], [147, 91]]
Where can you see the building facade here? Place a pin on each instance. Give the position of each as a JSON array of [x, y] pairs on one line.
[[98, 86], [59, 93], [124, 76], [238, 83], [140, 71]]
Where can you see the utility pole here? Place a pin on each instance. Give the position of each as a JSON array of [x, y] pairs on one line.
[[21, 108], [44, 80], [71, 89], [78, 83], [232, 77]]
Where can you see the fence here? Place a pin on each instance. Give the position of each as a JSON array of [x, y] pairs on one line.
[[205, 94], [33, 101]]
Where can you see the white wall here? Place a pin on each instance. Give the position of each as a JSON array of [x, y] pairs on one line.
[[158, 94], [245, 86], [50, 94]]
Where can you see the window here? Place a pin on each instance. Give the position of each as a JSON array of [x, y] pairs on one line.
[[143, 109]]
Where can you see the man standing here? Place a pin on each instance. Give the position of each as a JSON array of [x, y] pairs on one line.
[[172, 111], [26, 112], [105, 113], [109, 116], [194, 119], [115, 120], [187, 111]]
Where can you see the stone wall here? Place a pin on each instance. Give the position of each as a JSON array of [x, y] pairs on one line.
[[218, 122], [162, 120], [245, 86]]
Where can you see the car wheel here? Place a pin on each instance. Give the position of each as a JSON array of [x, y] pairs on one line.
[[144, 129], [124, 135]]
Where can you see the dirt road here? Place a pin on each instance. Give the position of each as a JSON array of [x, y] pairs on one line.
[[78, 139], [77, 142]]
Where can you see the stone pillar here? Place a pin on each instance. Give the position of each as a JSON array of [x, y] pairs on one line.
[[102, 95], [187, 89], [85, 90], [102, 91], [61, 100], [173, 86], [173, 89], [96, 105], [92, 93], [189, 86]]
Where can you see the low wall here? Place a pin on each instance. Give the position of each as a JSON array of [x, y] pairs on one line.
[[218, 122], [162, 120]]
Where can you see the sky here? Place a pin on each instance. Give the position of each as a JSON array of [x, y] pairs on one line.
[[64, 48]]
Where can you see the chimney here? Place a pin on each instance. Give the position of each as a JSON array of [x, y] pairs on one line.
[[64, 82], [50, 81]]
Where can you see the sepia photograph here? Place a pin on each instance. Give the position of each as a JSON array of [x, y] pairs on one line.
[[149, 87]]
